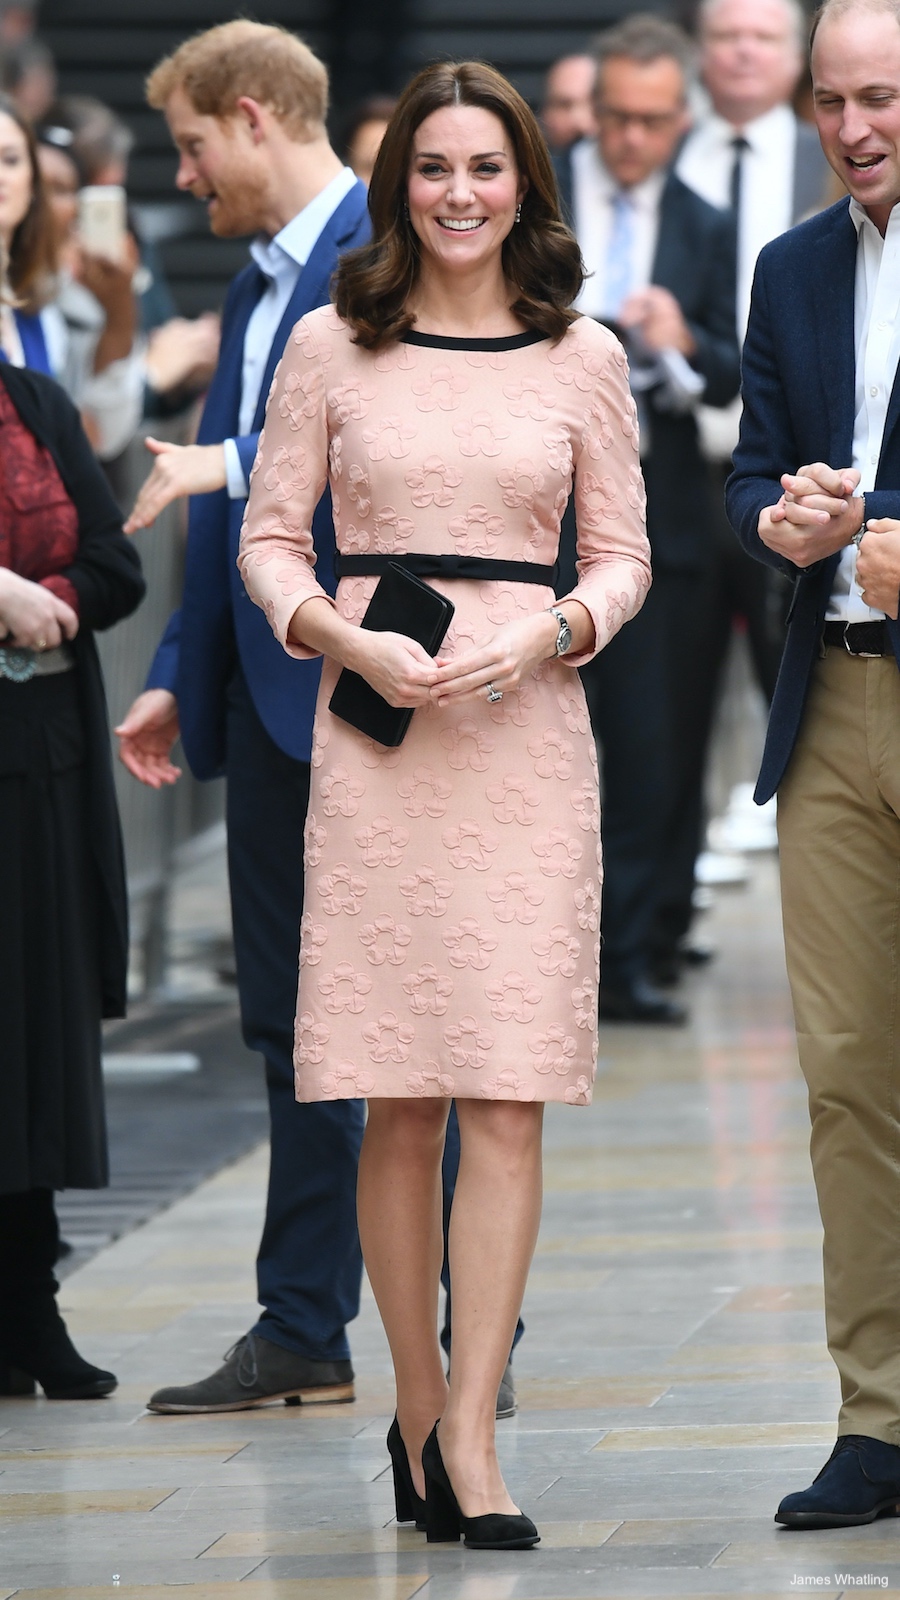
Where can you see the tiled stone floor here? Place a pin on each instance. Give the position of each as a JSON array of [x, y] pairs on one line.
[[673, 1380]]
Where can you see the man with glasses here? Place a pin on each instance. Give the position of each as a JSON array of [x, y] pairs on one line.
[[661, 273]]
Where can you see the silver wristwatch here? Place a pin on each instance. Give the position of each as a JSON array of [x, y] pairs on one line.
[[564, 637]]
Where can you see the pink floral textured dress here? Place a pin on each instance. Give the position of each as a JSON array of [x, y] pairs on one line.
[[450, 939]]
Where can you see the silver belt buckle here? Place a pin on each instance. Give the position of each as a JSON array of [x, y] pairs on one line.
[[861, 655]]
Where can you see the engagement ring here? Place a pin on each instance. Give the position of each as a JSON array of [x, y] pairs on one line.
[[494, 694]]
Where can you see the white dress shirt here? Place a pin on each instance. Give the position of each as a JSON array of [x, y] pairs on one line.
[[593, 194], [877, 339], [282, 259], [767, 182]]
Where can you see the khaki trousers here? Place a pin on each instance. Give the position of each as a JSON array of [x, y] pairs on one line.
[[839, 830]]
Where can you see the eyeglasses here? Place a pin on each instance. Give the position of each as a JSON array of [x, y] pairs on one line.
[[650, 121]]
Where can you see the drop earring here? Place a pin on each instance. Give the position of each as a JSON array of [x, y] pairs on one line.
[[519, 212]]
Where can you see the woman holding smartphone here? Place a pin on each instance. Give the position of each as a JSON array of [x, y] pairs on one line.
[[450, 941]]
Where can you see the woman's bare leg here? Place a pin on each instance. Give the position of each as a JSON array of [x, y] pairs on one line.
[[493, 1230], [401, 1232]]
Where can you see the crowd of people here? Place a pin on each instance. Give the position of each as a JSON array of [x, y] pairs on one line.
[[457, 522]]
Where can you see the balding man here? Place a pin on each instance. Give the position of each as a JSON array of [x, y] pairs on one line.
[[818, 464]]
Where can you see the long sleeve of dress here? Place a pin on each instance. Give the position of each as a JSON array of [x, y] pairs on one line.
[[613, 562], [277, 558]]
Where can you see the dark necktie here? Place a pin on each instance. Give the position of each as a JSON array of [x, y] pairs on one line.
[[738, 144]]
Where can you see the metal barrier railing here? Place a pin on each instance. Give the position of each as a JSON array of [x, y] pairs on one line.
[[157, 824]]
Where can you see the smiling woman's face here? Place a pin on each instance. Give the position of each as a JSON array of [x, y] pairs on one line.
[[464, 186]]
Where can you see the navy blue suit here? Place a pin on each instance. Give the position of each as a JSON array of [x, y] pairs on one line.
[[799, 379], [246, 710]]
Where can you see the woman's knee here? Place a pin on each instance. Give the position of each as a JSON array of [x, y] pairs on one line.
[[509, 1129], [410, 1123]]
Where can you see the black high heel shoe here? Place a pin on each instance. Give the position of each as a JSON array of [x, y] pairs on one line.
[[410, 1506], [444, 1522]]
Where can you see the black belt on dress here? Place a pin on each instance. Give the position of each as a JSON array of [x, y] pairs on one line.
[[858, 638], [438, 566]]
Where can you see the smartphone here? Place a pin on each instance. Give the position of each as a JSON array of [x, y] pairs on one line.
[[102, 220]]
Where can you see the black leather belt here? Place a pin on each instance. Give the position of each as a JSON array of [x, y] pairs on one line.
[[437, 566], [858, 638]]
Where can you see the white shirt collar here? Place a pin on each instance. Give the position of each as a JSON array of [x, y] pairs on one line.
[[860, 218], [644, 196], [766, 135], [293, 245]]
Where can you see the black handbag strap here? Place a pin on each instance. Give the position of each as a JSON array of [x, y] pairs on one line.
[[438, 566]]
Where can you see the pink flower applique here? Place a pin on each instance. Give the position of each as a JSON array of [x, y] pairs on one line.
[[558, 853], [303, 338], [425, 893], [287, 474], [528, 398], [587, 906], [479, 435], [351, 399], [513, 998], [342, 891], [579, 1092], [312, 938], [559, 450], [310, 1039], [521, 484], [504, 602], [469, 846], [391, 531], [358, 489], [636, 493], [600, 498], [618, 610], [353, 597], [477, 532], [300, 397], [389, 436], [469, 945], [314, 836], [346, 1082], [397, 358], [344, 989], [431, 1081], [557, 952], [467, 746], [428, 990], [487, 358], [598, 434], [433, 483], [516, 899], [335, 457], [553, 1051], [513, 800], [630, 425], [507, 1086], [553, 755], [340, 792], [424, 794], [468, 1043], [354, 541], [388, 1038], [320, 740], [578, 367], [586, 805], [379, 755], [440, 389], [386, 941], [584, 1005], [382, 843], [517, 704], [573, 706]]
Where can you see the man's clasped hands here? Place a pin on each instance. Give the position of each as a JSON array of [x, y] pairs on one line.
[[818, 514]]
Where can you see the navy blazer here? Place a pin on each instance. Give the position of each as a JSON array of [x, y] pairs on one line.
[[695, 261], [218, 624], [799, 376]]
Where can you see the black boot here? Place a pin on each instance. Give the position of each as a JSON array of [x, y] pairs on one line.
[[34, 1342]]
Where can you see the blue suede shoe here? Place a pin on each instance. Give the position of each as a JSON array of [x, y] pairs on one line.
[[859, 1482]]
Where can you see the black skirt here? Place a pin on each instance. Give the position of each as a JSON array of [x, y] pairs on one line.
[[52, 1120]]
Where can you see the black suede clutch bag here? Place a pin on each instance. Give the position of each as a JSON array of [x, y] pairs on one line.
[[402, 603]]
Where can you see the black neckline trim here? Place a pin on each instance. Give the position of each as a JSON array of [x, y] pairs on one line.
[[440, 341]]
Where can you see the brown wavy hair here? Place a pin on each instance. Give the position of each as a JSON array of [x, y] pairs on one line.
[[541, 258], [31, 259]]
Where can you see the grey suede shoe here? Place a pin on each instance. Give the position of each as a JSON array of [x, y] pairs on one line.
[[256, 1373], [507, 1404]]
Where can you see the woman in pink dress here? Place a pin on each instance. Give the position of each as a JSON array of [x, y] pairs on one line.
[[450, 942]]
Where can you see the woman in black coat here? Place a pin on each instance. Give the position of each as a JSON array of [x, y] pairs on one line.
[[66, 570]]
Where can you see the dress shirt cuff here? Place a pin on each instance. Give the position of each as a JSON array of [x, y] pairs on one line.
[[235, 481]]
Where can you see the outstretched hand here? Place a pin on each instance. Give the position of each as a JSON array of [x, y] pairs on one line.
[[179, 469], [146, 736]]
